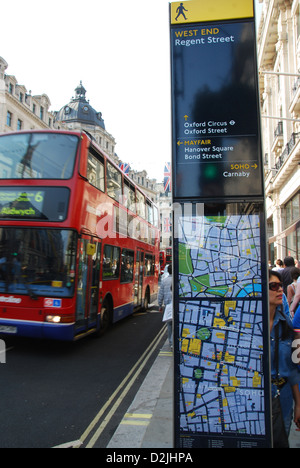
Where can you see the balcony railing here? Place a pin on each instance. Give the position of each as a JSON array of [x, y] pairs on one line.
[[287, 150]]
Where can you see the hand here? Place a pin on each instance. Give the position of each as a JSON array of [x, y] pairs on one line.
[[297, 417]]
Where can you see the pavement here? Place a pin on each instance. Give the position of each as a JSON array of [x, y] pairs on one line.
[[148, 422]]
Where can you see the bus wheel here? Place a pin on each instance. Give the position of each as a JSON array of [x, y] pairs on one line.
[[105, 318]]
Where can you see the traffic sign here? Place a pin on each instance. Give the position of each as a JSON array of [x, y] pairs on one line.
[[200, 11]]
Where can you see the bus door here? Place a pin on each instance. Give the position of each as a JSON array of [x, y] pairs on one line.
[[88, 283], [139, 276]]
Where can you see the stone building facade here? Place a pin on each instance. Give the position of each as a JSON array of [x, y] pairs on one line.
[[19, 110], [78, 115], [279, 74]]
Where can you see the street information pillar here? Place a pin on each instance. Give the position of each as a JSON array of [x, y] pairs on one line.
[[222, 375]]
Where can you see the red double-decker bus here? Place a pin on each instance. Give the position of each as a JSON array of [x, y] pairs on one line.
[[165, 258], [162, 261], [168, 256], [79, 242]]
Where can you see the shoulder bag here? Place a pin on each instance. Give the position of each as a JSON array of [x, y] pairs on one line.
[[280, 437]]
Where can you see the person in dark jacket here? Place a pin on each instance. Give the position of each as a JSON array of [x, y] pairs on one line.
[[289, 263], [288, 369]]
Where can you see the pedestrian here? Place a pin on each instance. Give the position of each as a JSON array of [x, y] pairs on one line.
[[165, 297], [296, 299], [291, 290], [279, 265], [284, 372], [289, 263]]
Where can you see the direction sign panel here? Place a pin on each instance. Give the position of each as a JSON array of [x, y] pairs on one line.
[[216, 137]]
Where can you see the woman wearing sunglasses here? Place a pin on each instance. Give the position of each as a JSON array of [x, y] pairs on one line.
[[288, 378]]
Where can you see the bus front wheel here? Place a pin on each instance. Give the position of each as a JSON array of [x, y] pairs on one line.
[[105, 318]]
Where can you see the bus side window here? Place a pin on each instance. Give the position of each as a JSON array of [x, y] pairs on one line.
[[127, 266], [95, 170], [141, 206], [150, 213], [114, 182], [129, 196], [111, 262], [155, 217]]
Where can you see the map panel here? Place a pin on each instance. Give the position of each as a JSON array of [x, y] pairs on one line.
[[220, 327]]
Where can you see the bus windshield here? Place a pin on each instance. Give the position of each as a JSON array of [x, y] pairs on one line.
[[37, 156], [37, 262]]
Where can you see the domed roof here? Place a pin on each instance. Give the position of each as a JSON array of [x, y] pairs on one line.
[[80, 110]]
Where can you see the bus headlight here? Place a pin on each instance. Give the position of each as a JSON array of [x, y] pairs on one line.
[[53, 318]]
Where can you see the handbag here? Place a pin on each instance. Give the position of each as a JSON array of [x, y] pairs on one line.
[[280, 437], [168, 314]]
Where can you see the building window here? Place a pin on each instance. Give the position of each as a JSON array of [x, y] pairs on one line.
[[21, 97], [19, 124], [292, 211], [288, 214], [295, 208], [291, 244], [11, 88], [42, 113], [8, 119], [34, 108]]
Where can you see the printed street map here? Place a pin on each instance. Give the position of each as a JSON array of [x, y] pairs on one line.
[[220, 326]]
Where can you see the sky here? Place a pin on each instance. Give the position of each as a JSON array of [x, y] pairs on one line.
[[119, 50]]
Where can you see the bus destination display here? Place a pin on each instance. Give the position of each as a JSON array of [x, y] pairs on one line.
[[37, 203]]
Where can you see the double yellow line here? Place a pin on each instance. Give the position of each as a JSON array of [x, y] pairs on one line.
[[136, 419], [124, 388]]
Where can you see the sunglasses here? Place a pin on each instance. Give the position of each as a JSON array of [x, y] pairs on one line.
[[275, 286]]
